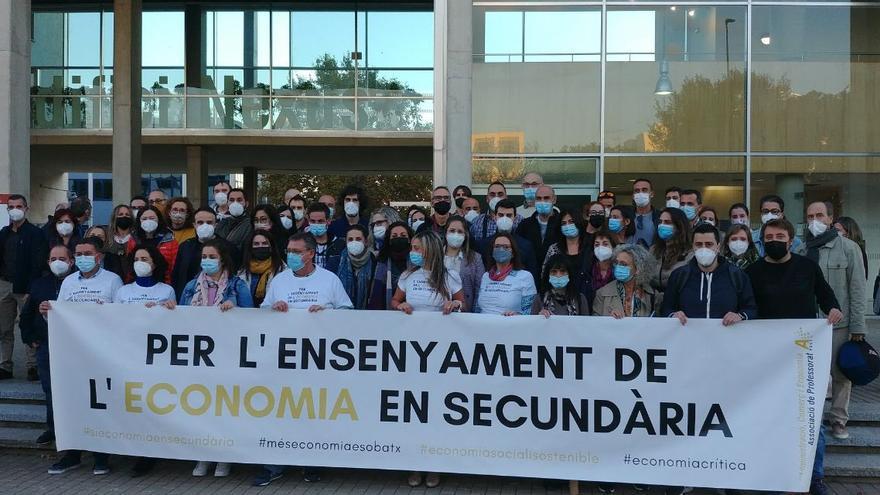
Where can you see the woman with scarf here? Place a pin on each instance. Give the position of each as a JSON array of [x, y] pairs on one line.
[[151, 230], [461, 257], [260, 263], [357, 266], [215, 286], [147, 289], [392, 262], [739, 247], [506, 289], [559, 291], [630, 294]]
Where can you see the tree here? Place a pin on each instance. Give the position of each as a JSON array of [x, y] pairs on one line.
[[381, 189]]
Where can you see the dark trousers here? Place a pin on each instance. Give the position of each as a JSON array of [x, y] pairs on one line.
[[46, 382]]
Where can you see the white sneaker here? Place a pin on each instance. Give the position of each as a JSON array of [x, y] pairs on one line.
[[222, 470], [201, 468]]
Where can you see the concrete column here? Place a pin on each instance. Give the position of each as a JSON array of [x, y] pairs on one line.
[[196, 176], [15, 107], [250, 185], [126, 100], [453, 35]]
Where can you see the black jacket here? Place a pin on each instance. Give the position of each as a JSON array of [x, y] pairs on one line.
[[188, 263], [31, 253], [726, 290], [530, 229], [34, 327]]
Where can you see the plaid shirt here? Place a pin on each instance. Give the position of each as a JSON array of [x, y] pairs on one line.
[[484, 227]]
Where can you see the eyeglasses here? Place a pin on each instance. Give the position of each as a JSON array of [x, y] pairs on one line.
[[440, 198], [774, 211], [156, 201]]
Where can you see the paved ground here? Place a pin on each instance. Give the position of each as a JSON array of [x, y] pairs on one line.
[[24, 472]]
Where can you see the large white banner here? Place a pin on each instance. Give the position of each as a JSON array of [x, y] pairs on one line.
[[638, 400]]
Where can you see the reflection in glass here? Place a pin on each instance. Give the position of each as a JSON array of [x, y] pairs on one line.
[[815, 79], [560, 171], [542, 94], [705, 56], [319, 34], [398, 39], [395, 114]]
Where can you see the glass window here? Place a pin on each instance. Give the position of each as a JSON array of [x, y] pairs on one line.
[[675, 79], [399, 39], [163, 39], [815, 79], [82, 46], [321, 36], [544, 93], [574, 171]]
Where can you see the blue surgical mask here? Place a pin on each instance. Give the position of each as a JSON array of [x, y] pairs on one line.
[[665, 231], [559, 282], [502, 255], [530, 193], [622, 273], [318, 229], [689, 211], [295, 261], [416, 258], [85, 264], [210, 266], [615, 225], [570, 230], [543, 207]]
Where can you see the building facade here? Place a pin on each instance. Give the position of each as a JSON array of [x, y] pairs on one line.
[[735, 98]]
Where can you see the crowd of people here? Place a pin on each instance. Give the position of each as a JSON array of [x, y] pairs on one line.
[[464, 254]]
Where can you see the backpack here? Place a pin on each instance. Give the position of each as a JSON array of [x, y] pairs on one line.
[[859, 362]]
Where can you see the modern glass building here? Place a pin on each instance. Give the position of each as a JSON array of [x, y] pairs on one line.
[[736, 98]]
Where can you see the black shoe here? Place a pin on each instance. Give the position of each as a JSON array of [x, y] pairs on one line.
[[32, 375], [265, 477], [817, 487], [674, 490], [64, 465], [639, 488], [142, 467], [5, 374], [311, 475], [606, 488], [46, 438]]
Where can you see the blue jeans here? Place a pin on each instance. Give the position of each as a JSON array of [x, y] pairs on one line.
[[46, 382], [819, 463], [275, 470]]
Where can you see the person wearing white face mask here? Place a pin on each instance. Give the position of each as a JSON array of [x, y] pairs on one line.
[[297, 206], [530, 184], [178, 218], [151, 230], [739, 248], [673, 197], [379, 221], [35, 327], [505, 222], [471, 210], [186, 265], [738, 214], [357, 266], [841, 262], [709, 286], [354, 202], [237, 227], [66, 231], [483, 227], [221, 199], [772, 208], [647, 217], [22, 259], [92, 284], [601, 271], [265, 217], [461, 257]]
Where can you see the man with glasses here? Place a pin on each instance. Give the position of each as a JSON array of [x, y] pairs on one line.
[[647, 218], [773, 208], [608, 199], [157, 198], [441, 202], [304, 286], [530, 184]]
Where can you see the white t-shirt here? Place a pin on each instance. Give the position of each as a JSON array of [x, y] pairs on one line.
[[136, 294], [100, 287], [420, 295], [320, 287], [506, 295]]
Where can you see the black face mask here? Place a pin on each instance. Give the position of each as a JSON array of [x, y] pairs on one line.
[[597, 221], [124, 223], [399, 245], [776, 250], [459, 202], [442, 207], [262, 253]]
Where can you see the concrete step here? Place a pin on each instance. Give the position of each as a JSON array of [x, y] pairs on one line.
[[20, 391], [863, 414], [17, 437], [855, 467], [22, 414], [862, 440]]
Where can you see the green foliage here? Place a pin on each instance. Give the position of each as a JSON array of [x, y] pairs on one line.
[[381, 189]]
